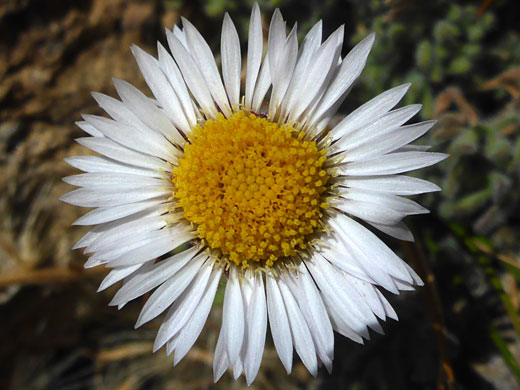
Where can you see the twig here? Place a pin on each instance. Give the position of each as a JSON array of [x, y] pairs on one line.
[[47, 276], [126, 351]]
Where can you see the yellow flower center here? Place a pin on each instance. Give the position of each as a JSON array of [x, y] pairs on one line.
[[253, 189]]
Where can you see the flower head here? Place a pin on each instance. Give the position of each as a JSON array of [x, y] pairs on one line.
[[263, 191]]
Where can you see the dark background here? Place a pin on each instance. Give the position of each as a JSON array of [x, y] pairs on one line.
[[460, 331]]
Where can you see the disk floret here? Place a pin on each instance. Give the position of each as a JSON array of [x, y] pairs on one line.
[[253, 189]]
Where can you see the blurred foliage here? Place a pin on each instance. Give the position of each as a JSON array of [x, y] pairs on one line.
[[463, 59], [466, 73]]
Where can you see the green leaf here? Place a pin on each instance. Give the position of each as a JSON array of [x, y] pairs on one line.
[[502, 347]]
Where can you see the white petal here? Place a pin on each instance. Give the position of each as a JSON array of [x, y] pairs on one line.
[[101, 164], [181, 36], [392, 163], [372, 132], [90, 263], [193, 327], [182, 309], [391, 201], [326, 118], [315, 75], [376, 270], [369, 111], [126, 246], [254, 54], [339, 324], [143, 282], [398, 184], [399, 231], [276, 40], [172, 72], [231, 60], [262, 85], [118, 274], [370, 212], [192, 75], [403, 286], [330, 286], [150, 143], [145, 221], [279, 323], [331, 74], [220, 360], [89, 129], [310, 45], [147, 112], [170, 345], [414, 148], [256, 326], [389, 310], [99, 230], [281, 65], [162, 90], [238, 367], [247, 291], [110, 180], [372, 247], [88, 198], [233, 317], [202, 55], [318, 312], [301, 335], [341, 258], [416, 278], [112, 149], [107, 214], [350, 70], [368, 295], [389, 142], [119, 111], [360, 299], [246, 287], [169, 291], [311, 304], [164, 241]]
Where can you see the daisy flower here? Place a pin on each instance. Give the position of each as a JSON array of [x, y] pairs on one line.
[[214, 180]]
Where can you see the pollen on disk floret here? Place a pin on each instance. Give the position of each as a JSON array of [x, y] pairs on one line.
[[254, 190]]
